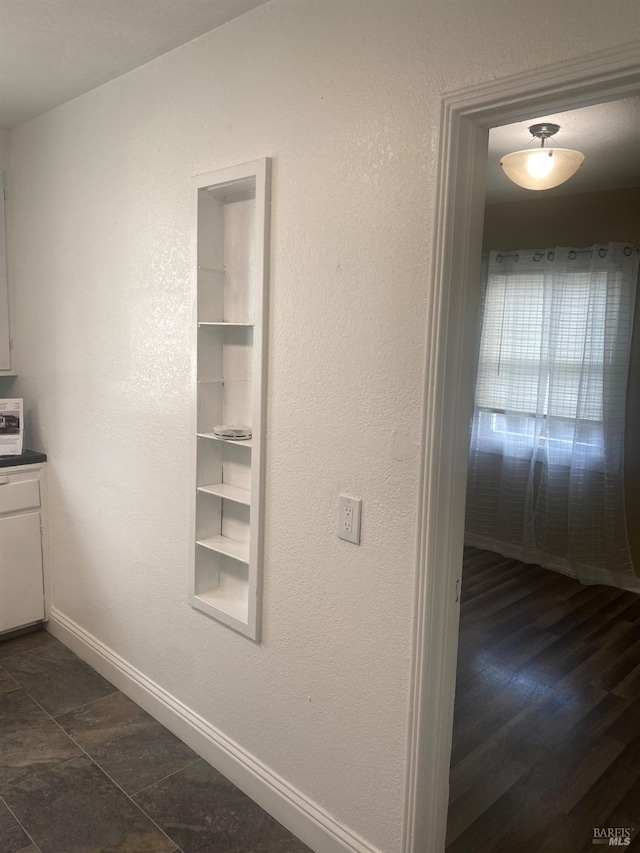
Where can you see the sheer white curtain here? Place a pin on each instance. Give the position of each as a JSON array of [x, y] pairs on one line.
[[547, 440]]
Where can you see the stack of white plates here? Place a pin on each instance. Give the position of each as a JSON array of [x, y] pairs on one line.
[[232, 432]]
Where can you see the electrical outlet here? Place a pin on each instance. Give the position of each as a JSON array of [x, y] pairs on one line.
[[349, 519]]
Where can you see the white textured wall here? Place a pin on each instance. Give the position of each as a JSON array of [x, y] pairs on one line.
[[4, 149], [344, 95], [7, 384]]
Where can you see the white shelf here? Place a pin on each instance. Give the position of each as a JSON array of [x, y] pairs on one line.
[[231, 602], [228, 547], [229, 493], [224, 323], [246, 442]]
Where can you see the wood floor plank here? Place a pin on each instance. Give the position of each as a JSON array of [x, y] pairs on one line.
[[546, 738], [626, 727], [566, 834], [505, 593], [615, 629], [627, 813], [632, 612], [564, 778], [590, 615], [619, 820], [478, 797], [491, 700], [543, 727], [490, 577], [623, 666], [605, 795], [556, 661], [566, 605], [630, 685], [506, 827], [515, 649], [527, 610]]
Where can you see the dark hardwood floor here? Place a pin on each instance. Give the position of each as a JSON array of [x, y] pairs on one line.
[[546, 738]]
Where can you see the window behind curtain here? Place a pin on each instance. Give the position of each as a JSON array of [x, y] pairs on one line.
[[546, 458], [524, 377]]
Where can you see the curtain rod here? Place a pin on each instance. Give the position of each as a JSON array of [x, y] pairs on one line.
[[573, 254]]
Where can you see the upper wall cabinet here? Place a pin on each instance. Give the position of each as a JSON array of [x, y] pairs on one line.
[[230, 348], [5, 346]]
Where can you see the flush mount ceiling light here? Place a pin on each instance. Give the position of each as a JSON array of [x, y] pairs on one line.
[[542, 168]]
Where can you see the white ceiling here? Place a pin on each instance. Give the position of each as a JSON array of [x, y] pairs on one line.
[[608, 134], [53, 50]]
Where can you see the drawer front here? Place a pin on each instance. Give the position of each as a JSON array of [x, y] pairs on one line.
[[16, 495]]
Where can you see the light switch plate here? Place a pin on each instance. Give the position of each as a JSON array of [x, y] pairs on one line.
[[349, 519]]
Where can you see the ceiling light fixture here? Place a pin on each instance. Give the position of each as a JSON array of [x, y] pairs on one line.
[[542, 168]]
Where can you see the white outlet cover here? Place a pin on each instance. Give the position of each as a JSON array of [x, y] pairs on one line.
[[354, 504]]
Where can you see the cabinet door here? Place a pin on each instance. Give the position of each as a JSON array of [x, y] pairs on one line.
[[21, 590]]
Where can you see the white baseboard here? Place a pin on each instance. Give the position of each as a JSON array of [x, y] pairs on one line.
[[318, 829]]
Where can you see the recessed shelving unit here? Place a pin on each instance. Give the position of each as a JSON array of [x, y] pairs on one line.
[[231, 212]]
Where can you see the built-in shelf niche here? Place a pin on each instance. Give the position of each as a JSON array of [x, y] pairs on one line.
[[230, 352]]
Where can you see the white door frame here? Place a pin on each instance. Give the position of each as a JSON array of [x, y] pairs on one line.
[[466, 117]]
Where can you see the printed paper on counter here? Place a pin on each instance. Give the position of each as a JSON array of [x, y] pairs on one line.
[[11, 427]]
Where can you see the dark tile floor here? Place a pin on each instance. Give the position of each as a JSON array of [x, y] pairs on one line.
[[83, 769]]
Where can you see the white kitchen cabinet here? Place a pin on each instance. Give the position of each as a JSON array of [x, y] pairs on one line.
[[229, 346], [22, 546]]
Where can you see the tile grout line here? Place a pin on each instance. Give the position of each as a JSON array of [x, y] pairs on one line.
[[34, 649], [70, 761], [70, 710], [131, 800], [84, 752], [168, 776], [80, 707], [86, 704], [39, 773], [86, 755], [113, 781], [15, 817]]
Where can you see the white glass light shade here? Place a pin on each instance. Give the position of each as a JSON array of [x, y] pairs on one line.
[[541, 168]]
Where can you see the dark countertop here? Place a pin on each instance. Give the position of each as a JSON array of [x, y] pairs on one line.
[[29, 457]]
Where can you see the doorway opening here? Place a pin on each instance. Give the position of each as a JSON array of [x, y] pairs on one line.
[[548, 678], [467, 117]]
